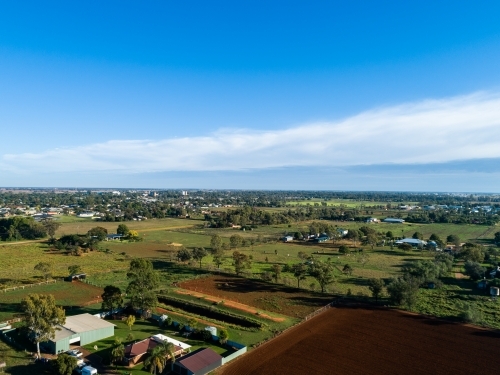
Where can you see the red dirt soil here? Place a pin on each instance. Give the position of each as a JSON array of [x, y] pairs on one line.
[[373, 341], [261, 295], [234, 305]]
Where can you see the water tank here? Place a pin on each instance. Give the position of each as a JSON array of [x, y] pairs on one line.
[[212, 330], [494, 291]]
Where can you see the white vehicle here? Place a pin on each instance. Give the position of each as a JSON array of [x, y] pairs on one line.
[[75, 353]]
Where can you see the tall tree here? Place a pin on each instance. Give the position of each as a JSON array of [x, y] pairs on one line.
[[218, 257], [453, 239], [123, 230], [347, 270], [223, 335], [184, 255], [376, 286], [276, 271], [51, 227], [240, 261], [300, 272], [235, 241], [99, 233], [323, 273], [215, 243], [111, 298], [199, 253], [155, 360], [143, 282], [74, 269], [41, 316], [117, 351], [418, 236], [45, 269], [65, 364]]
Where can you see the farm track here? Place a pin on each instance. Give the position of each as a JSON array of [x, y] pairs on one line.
[[347, 340]]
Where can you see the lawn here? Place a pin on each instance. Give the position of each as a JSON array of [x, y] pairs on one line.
[[143, 329]]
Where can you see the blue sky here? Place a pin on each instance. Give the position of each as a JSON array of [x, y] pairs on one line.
[[350, 95]]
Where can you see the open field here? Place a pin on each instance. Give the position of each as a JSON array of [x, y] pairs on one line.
[[66, 294], [373, 341], [18, 263], [71, 224], [272, 297]]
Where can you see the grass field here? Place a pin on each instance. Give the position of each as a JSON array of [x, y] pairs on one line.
[[72, 224], [66, 294]]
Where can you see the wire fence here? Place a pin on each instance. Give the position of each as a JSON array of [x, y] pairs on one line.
[[27, 286]]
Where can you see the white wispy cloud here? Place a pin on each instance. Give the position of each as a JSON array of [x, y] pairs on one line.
[[430, 131]]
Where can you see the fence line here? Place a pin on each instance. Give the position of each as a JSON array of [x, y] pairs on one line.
[[311, 315], [28, 285]]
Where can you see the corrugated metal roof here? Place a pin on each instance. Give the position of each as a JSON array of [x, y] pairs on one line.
[[78, 324], [199, 359]]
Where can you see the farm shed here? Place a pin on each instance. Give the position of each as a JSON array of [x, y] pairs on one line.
[[79, 330], [412, 241], [199, 362], [393, 220]]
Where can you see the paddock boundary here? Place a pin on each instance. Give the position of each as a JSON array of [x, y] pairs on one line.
[[27, 286]]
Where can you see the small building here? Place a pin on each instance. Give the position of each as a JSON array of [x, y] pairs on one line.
[[114, 237], [342, 232], [76, 276], [79, 330], [392, 220], [322, 238], [199, 362], [412, 241], [372, 220], [288, 239]]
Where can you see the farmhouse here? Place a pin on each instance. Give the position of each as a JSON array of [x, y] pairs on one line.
[[199, 362], [136, 353], [79, 330], [393, 220]]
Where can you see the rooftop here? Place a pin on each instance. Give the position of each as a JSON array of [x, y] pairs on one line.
[[199, 359], [80, 323]]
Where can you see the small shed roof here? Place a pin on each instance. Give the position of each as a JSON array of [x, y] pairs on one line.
[[199, 359]]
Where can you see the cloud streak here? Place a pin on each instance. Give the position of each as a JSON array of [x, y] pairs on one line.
[[430, 131]]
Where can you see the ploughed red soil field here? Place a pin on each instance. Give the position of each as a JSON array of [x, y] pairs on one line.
[[261, 295], [373, 341]]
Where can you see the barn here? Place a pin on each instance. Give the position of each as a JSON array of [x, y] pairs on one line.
[[199, 362], [79, 330]]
